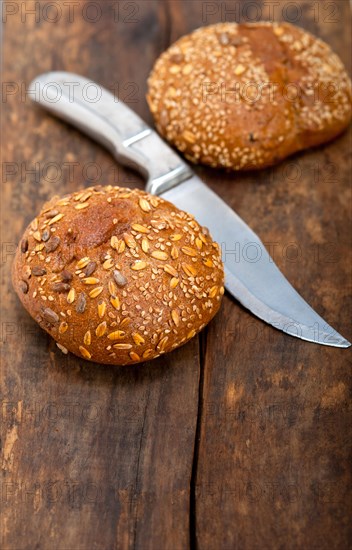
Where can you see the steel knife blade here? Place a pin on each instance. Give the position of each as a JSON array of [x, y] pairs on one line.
[[258, 285]]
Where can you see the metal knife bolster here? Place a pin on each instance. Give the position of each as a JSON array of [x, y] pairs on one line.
[[110, 122]]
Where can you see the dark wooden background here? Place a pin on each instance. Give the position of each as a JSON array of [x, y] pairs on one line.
[[240, 439]]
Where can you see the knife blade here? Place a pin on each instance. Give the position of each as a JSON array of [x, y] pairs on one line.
[[258, 285]]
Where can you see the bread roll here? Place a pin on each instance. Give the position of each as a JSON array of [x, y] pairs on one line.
[[246, 96], [118, 276]]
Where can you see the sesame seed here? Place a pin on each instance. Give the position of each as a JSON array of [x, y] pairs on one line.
[[240, 69], [174, 282], [174, 69], [279, 31]]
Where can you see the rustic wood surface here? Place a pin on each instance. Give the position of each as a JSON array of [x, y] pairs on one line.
[[240, 439]]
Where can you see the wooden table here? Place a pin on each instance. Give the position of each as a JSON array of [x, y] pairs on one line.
[[240, 439]]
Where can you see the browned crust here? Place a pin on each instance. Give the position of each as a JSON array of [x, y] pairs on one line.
[[246, 96], [118, 276]]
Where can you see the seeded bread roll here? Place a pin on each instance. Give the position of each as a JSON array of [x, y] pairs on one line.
[[118, 276], [246, 96]]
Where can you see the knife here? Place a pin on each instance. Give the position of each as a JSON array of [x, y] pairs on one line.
[[258, 285]]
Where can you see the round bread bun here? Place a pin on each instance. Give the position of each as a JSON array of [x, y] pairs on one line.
[[245, 96], [118, 276]]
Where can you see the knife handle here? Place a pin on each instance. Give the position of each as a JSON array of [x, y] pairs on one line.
[[98, 113]]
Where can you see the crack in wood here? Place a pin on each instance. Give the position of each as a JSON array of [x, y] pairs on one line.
[[137, 473], [193, 485]]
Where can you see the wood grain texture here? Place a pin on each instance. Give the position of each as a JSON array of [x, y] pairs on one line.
[[97, 457]]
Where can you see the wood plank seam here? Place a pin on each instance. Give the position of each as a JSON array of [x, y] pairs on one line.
[[202, 339]]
